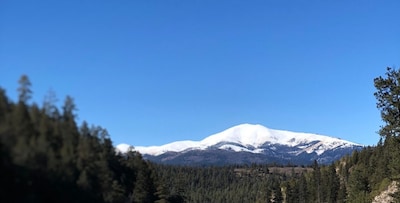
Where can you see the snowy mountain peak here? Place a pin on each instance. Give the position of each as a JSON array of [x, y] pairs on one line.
[[244, 134], [252, 138]]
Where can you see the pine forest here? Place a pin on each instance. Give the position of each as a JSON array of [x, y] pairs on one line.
[[46, 156]]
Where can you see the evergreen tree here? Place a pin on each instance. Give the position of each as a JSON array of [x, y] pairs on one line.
[[23, 133], [358, 188], [45, 158], [23, 130], [49, 103], [24, 89], [316, 182], [302, 187], [69, 134], [6, 136], [388, 101], [333, 184]]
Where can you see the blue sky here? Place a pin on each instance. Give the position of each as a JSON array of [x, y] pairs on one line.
[[152, 72]]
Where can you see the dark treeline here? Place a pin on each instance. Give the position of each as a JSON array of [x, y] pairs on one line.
[[255, 183], [224, 183], [355, 178], [47, 157]]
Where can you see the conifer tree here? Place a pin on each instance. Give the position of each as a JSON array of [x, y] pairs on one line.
[[49, 103], [23, 131], [358, 185], [333, 184], [302, 187], [69, 134], [24, 89], [5, 122], [316, 182], [4, 106], [388, 102], [45, 158]]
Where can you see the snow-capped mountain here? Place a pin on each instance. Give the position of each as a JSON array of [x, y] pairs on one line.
[[249, 143]]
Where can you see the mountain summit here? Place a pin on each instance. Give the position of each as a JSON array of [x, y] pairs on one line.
[[248, 143]]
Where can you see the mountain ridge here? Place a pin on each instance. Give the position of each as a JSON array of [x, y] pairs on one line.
[[252, 139]]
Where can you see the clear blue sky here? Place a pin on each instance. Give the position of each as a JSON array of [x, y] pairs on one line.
[[152, 72]]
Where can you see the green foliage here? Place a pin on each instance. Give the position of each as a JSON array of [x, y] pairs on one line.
[[388, 101], [24, 89], [239, 183], [46, 157], [355, 178], [383, 185]]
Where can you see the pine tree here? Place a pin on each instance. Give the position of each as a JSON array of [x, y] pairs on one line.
[[388, 96], [24, 89], [302, 187], [70, 139], [388, 102], [162, 193], [45, 158], [43, 152], [6, 136], [5, 106], [24, 132], [316, 182], [358, 186], [333, 184], [49, 103]]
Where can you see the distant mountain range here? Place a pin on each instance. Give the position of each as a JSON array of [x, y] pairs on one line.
[[248, 143]]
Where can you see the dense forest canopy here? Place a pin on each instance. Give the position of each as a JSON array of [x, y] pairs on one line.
[[47, 157]]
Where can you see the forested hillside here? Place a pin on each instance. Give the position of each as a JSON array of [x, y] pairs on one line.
[[47, 157], [357, 178]]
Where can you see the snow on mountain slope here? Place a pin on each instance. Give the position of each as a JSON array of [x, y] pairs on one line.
[[171, 147], [123, 148], [250, 138]]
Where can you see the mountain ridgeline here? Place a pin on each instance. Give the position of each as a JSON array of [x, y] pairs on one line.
[[46, 157], [247, 144]]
